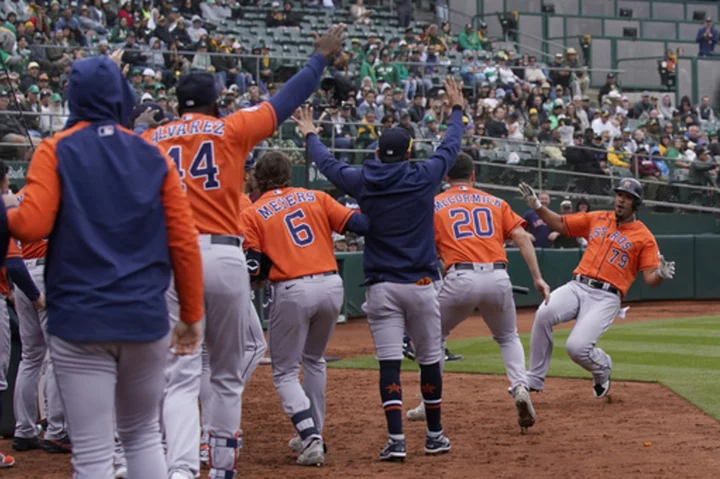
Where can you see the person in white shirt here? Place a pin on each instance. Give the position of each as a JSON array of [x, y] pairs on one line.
[[533, 73], [602, 123], [56, 115], [196, 31], [505, 74]]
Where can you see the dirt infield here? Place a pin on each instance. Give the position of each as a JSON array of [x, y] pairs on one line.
[[645, 431]]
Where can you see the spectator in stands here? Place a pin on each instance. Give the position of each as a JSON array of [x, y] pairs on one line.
[[433, 39], [617, 155], [533, 73], [514, 126], [387, 72], [497, 128], [584, 158], [196, 31], [468, 40], [367, 132], [368, 103], [641, 107], [532, 126], [213, 11], [701, 170], [562, 241], [367, 69], [610, 85], [417, 109], [472, 70], [180, 34], [87, 23], [360, 14], [387, 108], [542, 235], [559, 73], [707, 38], [506, 77], [704, 111], [120, 31], [275, 18], [442, 11], [666, 107]]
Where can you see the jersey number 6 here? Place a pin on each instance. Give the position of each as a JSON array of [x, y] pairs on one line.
[[202, 165], [300, 232], [482, 225]]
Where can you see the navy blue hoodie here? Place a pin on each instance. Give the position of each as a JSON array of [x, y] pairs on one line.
[[398, 199]]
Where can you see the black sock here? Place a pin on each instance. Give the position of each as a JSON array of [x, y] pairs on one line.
[[305, 424], [431, 387], [391, 395]]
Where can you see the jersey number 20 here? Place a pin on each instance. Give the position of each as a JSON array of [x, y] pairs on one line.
[[481, 219], [202, 165], [300, 232]]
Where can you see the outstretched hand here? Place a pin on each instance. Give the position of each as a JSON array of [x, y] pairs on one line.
[[304, 121], [331, 41], [666, 269], [454, 92], [116, 57], [529, 196]]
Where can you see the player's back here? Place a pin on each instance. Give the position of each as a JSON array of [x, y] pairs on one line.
[[210, 155], [292, 226], [471, 226]]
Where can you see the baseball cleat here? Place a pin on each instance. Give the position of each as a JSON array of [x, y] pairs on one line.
[[408, 349], [437, 445], [524, 407], [313, 454], [452, 357], [121, 472], [417, 414], [601, 390], [57, 446], [530, 390], [295, 444], [22, 444], [394, 450], [6, 461]]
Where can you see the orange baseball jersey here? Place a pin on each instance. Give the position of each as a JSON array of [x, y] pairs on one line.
[[471, 226], [33, 249], [292, 226], [614, 254], [210, 156]]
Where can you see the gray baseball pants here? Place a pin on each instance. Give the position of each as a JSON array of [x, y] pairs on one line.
[[302, 318], [34, 354], [489, 291], [393, 307], [95, 379], [594, 309], [227, 295]]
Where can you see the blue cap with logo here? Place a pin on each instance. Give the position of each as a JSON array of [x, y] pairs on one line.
[[196, 89], [394, 144]]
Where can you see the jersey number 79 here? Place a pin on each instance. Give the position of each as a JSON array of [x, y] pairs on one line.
[[481, 219], [202, 165]]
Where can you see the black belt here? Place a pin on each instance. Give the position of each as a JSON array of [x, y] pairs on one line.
[[471, 266], [596, 284], [38, 261], [225, 240]]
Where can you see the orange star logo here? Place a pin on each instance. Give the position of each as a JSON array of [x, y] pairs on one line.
[[428, 389], [393, 388]]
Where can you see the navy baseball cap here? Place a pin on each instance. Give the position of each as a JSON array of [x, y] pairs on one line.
[[196, 89], [393, 145]]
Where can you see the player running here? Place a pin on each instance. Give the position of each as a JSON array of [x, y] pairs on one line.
[[210, 154], [471, 227], [400, 263], [288, 232], [619, 246]]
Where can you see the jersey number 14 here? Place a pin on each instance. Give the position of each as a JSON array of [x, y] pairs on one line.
[[478, 223], [202, 165]]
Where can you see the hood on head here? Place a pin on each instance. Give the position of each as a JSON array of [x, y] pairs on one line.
[[98, 92], [379, 176]]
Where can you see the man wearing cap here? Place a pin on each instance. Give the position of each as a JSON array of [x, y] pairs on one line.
[[707, 38], [400, 263], [617, 154], [468, 40], [33, 71], [387, 72], [641, 107], [559, 73], [32, 105], [701, 169], [55, 114], [274, 17], [196, 31], [610, 85], [210, 154]]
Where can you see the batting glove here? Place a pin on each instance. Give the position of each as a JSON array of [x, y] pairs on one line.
[[666, 269], [529, 196]]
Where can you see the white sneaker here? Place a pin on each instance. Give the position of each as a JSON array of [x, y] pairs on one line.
[[183, 475], [121, 472], [417, 414], [295, 444], [313, 454]]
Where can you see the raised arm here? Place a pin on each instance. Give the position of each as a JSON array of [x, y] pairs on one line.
[[552, 219], [437, 166], [338, 173]]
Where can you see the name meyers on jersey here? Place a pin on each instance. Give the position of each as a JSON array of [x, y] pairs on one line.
[[466, 198], [197, 127], [287, 201], [615, 236]]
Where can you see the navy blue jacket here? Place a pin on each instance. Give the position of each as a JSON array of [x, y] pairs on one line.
[[398, 199]]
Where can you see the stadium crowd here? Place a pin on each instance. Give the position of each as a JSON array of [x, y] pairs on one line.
[[515, 103]]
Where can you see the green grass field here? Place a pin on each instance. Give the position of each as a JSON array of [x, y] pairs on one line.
[[683, 354]]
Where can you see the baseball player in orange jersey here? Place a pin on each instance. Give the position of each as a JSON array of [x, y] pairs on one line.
[[288, 233], [210, 154], [619, 247], [33, 336], [471, 227]]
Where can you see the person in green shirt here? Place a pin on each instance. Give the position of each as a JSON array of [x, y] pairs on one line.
[[468, 40], [357, 54], [367, 69], [433, 39], [120, 31], [557, 110], [387, 72]]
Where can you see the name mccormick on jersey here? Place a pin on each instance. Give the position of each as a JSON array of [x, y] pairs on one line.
[[475, 198], [286, 202], [196, 127]]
